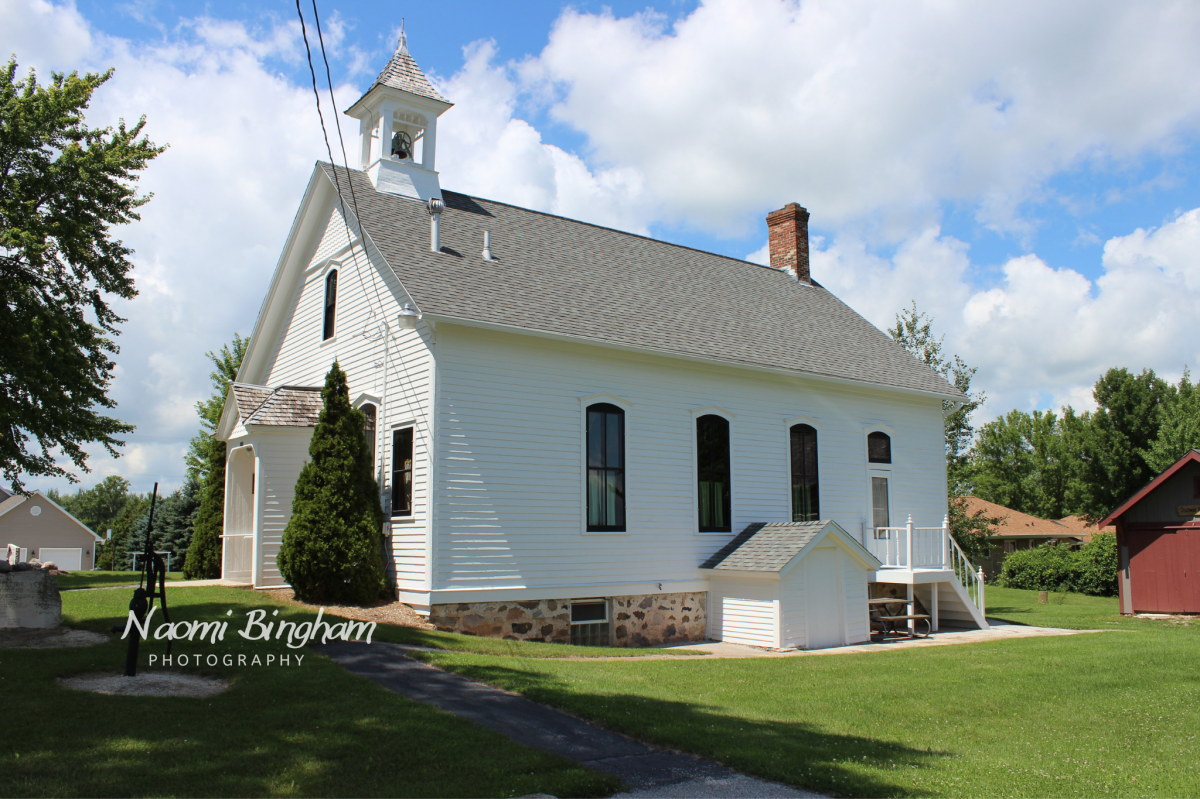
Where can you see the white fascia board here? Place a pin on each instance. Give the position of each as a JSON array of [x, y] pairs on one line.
[[229, 418], [528, 331], [359, 108]]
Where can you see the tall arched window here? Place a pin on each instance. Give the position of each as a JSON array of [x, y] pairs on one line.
[[368, 411], [805, 488], [330, 303], [879, 447], [605, 468], [712, 474]]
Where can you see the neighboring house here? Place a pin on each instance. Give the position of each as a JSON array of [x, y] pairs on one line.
[[1158, 542], [43, 530], [568, 422], [1021, 531]]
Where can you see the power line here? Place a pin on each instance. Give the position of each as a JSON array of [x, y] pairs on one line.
[[336, 181]]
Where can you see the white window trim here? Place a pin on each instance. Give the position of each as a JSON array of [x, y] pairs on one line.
[[887, 470], [788, 424], [624, 405], [331, 264], [696, 413]]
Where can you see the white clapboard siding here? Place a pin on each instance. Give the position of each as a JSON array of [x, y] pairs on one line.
[[792, 609], [854, 589], [282, 453], [367, 294], [510, 474], [744, 610]]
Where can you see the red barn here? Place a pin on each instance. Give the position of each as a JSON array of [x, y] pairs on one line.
[[1158, 537]]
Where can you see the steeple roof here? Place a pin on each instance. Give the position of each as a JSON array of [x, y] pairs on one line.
[[403, 73]]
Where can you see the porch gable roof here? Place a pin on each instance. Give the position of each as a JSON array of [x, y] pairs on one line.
[[772, 547], [286, 406]]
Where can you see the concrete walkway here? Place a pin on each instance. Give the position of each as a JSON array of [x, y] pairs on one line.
[[647, 772], [1000, 631]]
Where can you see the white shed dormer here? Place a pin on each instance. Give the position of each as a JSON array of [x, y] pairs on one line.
[[397, 120]]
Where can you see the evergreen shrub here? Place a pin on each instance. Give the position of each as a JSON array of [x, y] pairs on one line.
[[332, 547]]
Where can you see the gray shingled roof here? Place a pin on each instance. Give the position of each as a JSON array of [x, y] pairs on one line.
[[403, 73], [769, 547], [286, 406], [572, 278]]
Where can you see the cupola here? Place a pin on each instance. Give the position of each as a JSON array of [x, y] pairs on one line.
[[397, 120]]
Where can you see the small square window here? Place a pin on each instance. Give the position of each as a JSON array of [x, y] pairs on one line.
[[589, 623]]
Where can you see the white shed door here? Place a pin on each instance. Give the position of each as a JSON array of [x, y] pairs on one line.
[[69, 560], [823, 599]]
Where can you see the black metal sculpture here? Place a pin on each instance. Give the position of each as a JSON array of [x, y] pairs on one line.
[[153, 570]]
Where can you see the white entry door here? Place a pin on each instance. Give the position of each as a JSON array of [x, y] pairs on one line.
[[823, 601], [68, 560]]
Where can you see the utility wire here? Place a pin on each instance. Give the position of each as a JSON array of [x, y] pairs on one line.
[[336, 181], [337, 119]]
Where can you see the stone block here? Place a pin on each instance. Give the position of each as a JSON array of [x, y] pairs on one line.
[[29, 599]]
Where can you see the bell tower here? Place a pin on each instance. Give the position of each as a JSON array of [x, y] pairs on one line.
[[397, 120]]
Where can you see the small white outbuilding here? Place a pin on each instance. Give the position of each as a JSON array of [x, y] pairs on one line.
[[790, 585]]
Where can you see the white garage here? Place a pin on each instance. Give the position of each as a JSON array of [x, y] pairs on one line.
[[790, 585]]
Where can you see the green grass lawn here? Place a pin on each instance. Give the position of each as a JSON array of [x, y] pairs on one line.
[[312, 730], [1111, 713], [100, 579]]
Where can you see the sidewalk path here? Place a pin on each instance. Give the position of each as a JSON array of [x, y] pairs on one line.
[[647, 772]]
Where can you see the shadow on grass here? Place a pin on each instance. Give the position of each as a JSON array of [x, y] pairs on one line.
[[799, 754], [302, 730]]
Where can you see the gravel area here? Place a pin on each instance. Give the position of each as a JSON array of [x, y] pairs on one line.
[[382, 612], [162, 683], [47, 638]]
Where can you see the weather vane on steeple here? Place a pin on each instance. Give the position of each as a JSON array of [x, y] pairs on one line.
[[403, 46]]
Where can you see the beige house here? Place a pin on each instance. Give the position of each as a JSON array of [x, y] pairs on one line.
[[43, 530], [1021, 531]]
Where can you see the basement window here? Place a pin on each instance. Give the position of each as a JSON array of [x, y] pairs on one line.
[[589, 622]]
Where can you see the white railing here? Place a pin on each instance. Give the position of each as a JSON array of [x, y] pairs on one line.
[[926, 548], [923, 547], [238, 557]]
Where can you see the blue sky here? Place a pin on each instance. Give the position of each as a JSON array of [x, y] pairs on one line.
[[1026, 172]]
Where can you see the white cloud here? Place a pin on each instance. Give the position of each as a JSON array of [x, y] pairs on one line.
[[486, 150], [872, 112], [1041, 336]]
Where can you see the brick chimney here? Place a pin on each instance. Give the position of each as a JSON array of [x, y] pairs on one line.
[[787, 229]]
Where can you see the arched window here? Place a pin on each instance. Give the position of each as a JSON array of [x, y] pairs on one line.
[[879, 447], [805, 489], [368, 411], [712, 474], [605, 468], [330, 303]]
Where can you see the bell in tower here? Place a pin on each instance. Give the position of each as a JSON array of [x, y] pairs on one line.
[[398, 128]]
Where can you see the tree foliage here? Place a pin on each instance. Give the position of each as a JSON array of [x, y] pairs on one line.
[[63, 187], [1179, 425], [332, 546], [173, 518], [202, 449], [204, 554], [914, 332], [1092, 569]]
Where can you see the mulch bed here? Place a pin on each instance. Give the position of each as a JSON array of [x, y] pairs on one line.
[[382, 612]]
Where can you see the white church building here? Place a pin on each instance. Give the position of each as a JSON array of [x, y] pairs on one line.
[[583, 434]]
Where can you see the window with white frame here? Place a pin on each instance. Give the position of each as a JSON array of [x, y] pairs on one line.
[[589, 622], [330, 305], [605, 437], [402, 471]]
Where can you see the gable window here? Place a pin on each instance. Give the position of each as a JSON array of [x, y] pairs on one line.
[[879, 448], [368, 411], [605, 468], [712, 473], [402, 471], [805, 502], [330, 304]]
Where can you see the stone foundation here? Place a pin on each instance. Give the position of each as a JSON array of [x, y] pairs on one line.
[[638, 620]]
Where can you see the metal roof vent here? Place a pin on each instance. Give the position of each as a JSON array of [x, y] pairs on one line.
[[435, 207], [487, 245]]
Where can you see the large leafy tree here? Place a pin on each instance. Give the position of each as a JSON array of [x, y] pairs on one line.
[[332, 547], [1179, 428], [1031, 462], [914, 331], [1118, 439], [63, 187], [202, 449]]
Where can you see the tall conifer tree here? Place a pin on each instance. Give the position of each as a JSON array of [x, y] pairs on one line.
[[332, 546]]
